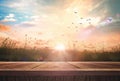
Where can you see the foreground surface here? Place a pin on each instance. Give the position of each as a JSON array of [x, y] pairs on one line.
[[59, 66], [59, 71]]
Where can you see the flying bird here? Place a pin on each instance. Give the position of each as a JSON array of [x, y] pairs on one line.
[[75, 12]]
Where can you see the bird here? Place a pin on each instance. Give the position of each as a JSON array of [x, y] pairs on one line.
[[81, 18], [80, 23], [75, 12]]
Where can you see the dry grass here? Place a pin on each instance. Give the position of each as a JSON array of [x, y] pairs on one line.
[[8, 52]]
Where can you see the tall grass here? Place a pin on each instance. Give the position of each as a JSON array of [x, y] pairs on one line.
[[9, 52]]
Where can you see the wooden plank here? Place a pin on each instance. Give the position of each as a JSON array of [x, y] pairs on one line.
[[39, 66]]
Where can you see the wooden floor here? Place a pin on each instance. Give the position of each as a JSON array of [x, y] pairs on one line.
[[60, 66], [59, 71]]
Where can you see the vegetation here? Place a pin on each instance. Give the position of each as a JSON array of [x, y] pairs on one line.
[[9, 52]]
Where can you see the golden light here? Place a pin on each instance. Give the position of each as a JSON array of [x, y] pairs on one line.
[[60, 47]]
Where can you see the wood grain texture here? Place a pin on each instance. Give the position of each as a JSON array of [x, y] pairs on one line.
[[60, 66]]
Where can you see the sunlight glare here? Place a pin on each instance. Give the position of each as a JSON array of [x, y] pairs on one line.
[[60, 47]]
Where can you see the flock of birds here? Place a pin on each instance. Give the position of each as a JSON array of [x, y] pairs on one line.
[[77, 26], [89, 21], [107, 20]]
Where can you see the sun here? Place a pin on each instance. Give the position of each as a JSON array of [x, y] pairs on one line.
[[60, 47]]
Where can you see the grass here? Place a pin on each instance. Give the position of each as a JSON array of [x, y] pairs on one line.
[[9, 52]]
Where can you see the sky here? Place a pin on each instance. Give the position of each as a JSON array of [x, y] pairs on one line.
[[60, 21]]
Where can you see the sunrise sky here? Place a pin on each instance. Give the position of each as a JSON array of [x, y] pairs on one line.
[[61, 21]]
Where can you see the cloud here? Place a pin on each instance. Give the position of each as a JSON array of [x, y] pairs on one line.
[[19, 4], [113, 27], [4, 27], [108, 32], [34, 20], [9, 18], [27, 24], [58, 6]]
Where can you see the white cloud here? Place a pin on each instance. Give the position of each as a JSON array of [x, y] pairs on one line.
[[10, 15], [35, 18], [27, 24], [21, 4], [9, 18]]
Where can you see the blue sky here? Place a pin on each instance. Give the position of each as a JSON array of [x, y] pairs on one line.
[[6, 9]]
